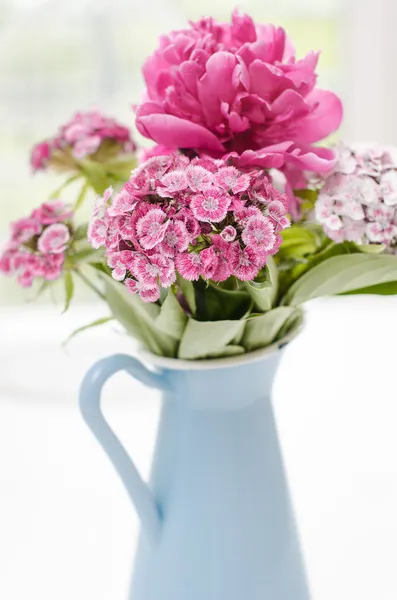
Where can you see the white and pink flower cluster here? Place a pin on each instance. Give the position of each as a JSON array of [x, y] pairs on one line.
[[358, 202], [38, 244], [199, 218], [83, 134]]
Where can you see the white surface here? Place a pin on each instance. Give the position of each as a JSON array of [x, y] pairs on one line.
[[67, 530]]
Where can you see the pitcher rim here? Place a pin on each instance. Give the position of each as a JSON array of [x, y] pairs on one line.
[[180, 364]]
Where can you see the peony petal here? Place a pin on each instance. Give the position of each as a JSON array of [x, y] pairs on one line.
[[311, 158], [219, 75], [323, 120], [265, 79], [177, 133]]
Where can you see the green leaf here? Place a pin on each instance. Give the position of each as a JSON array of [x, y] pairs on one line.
[[138, 318], [231, 350], [95, 323], [205, 338], [189, 294], [298, 242], [264, 293], [382, 289], [95, 175], [69, 289], [371, 248], [214, 303], [172, 320], [82, 195], [341, 274], [263, 330]]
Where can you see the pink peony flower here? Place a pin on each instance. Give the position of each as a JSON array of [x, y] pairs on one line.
[[54, 239], [196, 218], [358, 202], [238, 88]]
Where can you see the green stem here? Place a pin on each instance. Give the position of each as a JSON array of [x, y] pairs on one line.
[[90, 284]]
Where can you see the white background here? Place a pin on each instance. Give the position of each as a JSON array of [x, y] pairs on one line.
[[67, 530]]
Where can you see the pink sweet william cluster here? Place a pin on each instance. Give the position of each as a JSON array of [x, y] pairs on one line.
[[238, 88], [199, 218], [38, 244], [358, 202], [83, 136]]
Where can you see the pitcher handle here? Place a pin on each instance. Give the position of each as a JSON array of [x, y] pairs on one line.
[[90, 406]]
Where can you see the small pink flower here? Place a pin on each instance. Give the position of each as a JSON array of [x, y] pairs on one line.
[[40, 156], [23, 230], [246, 263], [192, 225], [189, 265], [381, 233], [172, 183], [7, 261], [86, 146], [388, 187], [259, 233], [151, 270], [198, 178], [151, 228], [210, 262], [123, 203], [176, 239], [52, 212], [231, 179], [54, 239], [211, 205], [101, 201], [147, 294], [277, 213], [229, 234], [158, 150], [97, 232]]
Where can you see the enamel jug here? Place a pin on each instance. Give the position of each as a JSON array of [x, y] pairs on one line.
[[217, 521]]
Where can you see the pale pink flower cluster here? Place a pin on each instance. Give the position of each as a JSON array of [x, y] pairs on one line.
[[358, 202], [199, 218], [38, 244], [83, 134]]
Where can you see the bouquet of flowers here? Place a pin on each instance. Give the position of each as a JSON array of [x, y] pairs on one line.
[[212, 244]]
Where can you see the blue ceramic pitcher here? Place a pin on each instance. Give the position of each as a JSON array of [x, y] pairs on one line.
[[216, 518]]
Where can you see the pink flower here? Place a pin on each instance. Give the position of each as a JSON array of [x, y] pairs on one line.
[[211, 205], [83, 136], [231, 179], [245, 263], [152, 269], [198, 178], [172, 183], [123, 203], [147, 294], [210, 262], [358, 202], [176, 239], [259, 233], [189, 265], [52, 212], [23, 230], [151, 228], [97, 232], [229, 233], [54, 239], [238, 88], [40, 155], [278, 215]]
